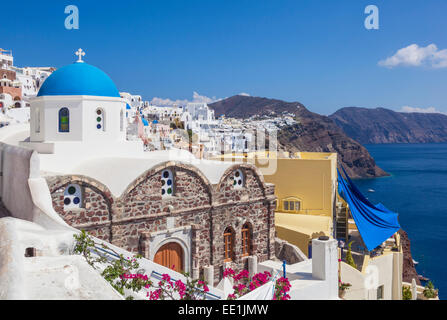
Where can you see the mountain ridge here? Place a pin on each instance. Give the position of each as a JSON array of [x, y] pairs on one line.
[[311, 133], [381, 125]]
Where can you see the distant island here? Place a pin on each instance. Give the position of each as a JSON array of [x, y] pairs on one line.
[[380, 125]]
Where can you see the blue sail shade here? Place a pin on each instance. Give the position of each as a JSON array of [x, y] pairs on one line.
[[375, 223]]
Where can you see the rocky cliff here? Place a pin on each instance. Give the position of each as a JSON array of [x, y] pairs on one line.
[[409, 269], [312, 132], [381, 125]]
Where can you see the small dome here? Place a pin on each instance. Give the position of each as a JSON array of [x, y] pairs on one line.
[[79, 79]]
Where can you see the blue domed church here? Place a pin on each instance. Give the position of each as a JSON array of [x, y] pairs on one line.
[[78, 108]]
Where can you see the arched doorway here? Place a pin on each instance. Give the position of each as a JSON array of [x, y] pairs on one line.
[[170, 255]]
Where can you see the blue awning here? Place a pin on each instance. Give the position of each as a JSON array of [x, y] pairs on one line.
[[128, 107], [375, 223]]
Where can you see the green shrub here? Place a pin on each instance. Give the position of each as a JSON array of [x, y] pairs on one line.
[[429, 291], [349, 258], [406, 293]]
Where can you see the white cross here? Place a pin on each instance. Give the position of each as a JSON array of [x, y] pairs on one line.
[[80, 53]]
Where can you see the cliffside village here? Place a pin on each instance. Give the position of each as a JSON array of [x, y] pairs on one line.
[[189, 191]]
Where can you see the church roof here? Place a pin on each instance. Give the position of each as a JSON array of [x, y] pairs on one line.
[[100, 167], [79, 79]]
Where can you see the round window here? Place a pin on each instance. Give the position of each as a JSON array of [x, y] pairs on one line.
[[167, 182], [238, 179]]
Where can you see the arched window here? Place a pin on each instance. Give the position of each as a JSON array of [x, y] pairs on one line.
[[64, 120], [291, 204], [121, 120], [246, 245], [167, 183], [72, 197], [100, 119], [228, 244], [238, 179]]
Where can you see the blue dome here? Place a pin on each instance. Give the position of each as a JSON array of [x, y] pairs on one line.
[[79, 79], [145, 123]]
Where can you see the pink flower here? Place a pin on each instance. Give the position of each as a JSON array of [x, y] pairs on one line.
[[242, 274], [166, 277], [181, 288], [240, 287], [228, 272], [203, 284], [154, 295]]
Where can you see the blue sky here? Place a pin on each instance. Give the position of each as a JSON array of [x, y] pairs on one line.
[[317, 52]]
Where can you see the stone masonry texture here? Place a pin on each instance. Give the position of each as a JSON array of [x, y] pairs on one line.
[[208, 209]]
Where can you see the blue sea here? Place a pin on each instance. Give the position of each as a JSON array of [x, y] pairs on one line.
[[417, 190]]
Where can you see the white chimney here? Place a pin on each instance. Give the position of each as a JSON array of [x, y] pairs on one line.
[[325, 262]]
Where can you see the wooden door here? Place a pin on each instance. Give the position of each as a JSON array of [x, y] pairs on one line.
[[170, 255]]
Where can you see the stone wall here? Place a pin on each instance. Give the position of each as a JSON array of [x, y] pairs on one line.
[[129, 221], [94, 215]]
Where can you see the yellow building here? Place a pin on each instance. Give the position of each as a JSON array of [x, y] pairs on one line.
[[305, 187]]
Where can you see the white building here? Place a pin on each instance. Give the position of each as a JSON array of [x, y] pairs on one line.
[[200, 112], [164, 113], [6, 59], [31, 79], [134, 101]]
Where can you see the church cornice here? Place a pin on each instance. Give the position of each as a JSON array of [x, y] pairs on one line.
[[77, 98]]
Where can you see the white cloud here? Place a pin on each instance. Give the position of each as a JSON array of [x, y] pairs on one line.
[[167, 102], [408, 109], [415, 56], [196, 97], [204, 99]]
